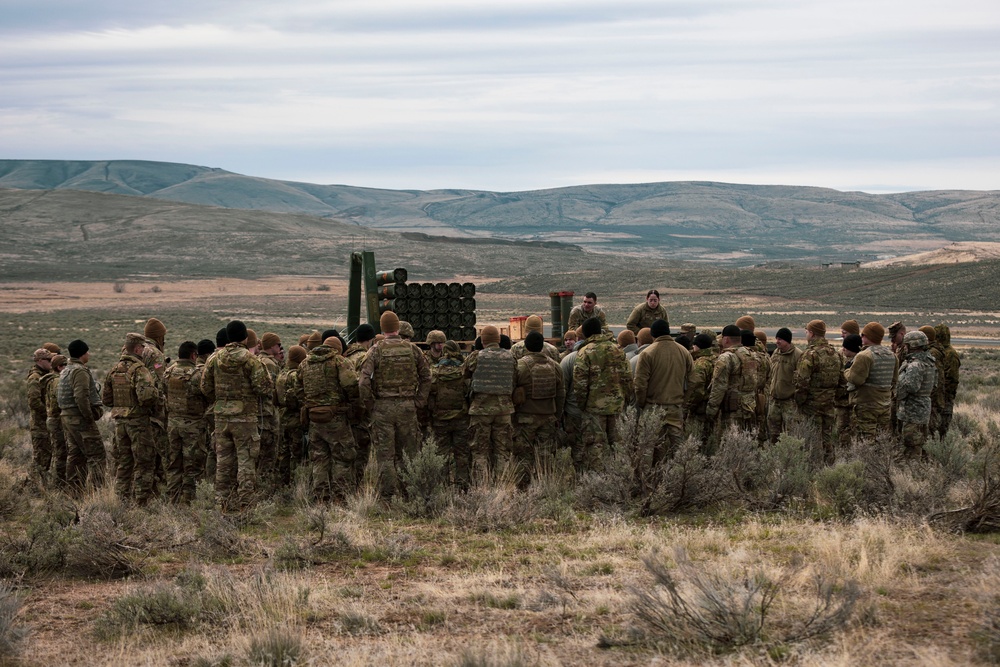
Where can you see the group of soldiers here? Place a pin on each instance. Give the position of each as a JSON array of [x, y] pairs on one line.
[[246, 413]]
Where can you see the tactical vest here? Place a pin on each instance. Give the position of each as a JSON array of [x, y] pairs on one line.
[[826, 368], [230, 379], [883, 367], [65, 393], [181, 401], [494, 374], [928, 374], [320, 383], [750, 371], [283, 387], [396, 374], [449, 383], [123, 396], [544, 380]]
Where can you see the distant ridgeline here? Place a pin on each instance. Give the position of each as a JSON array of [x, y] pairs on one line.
[[721, 223]]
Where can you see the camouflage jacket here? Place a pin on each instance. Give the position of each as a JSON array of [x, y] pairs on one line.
[[269, 405], [78, 393], [325, 378], [818, 376], [548, 349], [783, 365], [50, 388], [375, 382], [130, 389], [700, 381], [735, 381], [952, 361], [642, 316], [577, 317], [602, 378], [873, 387], [661, 376], [355, 353], [489, 404], [235, 381], [450, 387], [36, 398], [917, 378], [183, 382], [540, 380], [937, 353]]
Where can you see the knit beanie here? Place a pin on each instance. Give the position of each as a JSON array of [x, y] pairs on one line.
[[252, 338], [853, 342], [702, 341], [205, 346], [533, 323], [236, 332], [154, 329], [659, 328], [874, 332], [534, 341], [785, 334], [746, 322], [364, 333], [296, 355], [334, 343], [269, 340], [731, 331], [389, 323], [505, 342], [59, 360], [302, 340], [817, 327], [222, 337], [490, 335], [313, 340], [761, 336], [851, 327], [626, 338], [591, 327], [747, 339], [929, 332], [78, 348], [451, 350], [645, 336]]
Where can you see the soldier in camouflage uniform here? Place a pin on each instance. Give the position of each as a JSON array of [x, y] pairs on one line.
[[646, 313], [952, 364], [435, 346], [937, 398], [539, 395], [449, 412], [758, 351], [394, 383], [187, 427], [153, 335], [699, 385], [734, 385], [50, 389], [235, 380], [817, 379], [364, 338], [781, 407], [570, 339], [844, 400], [572, 421], [660, 377], [585, 311], [602, 382], [329, 388], [80, 407], [205, 349], [492, 371], [272, 356], [131, 391], [288, 393], [41, 444], [873, 377], [917, 379], [535, 323]]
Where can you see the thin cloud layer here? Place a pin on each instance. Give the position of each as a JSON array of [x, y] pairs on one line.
[[518, 95]]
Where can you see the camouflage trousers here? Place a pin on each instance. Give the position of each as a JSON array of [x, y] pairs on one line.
[[290, 448], [86, 458], [41, 452], [492, 439], [395, 432], [210, 432], [363, 439], [870, 419], [452, 437], [599, 435], [572, 428], [186, 456], [332, 453], [947, 410], [780, 414], [237, 444], [534, 441], [845, 427], [267, 461], [58, 440], [161, 443], [705, 430], [821, 419], [135, 457], [913, 436]]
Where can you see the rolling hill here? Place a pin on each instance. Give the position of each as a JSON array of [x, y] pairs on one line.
[[702, 221]]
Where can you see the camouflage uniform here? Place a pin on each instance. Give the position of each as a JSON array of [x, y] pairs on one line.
[[361, 426], [572, 416], [79, 401], [41, 445], [288, 394], [329, 388], [577, 317], [873, 377], [696, 400], [914, 391], [734, 390], [235, 380], [763, 382], [187, 429], [602, 382], [643, 316], [937, 397], [817, 377], [155, 361], [50, 388], [781, 407], [540, 395], [449, 411], [492, 372], [270, 429], [952, 364], [394, 382], [130, 391], [844, 403], [548, 349]]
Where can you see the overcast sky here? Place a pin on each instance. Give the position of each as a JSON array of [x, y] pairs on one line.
[[514, 95]]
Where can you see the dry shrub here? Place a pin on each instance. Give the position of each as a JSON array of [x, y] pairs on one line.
[[218, 535], [42, 548], [424, 478], [13, 500], [552, 488], [161, 606], [693, 611], [12, 633], [987, 631], [277, 647], [493, 503], [497, 655], [983, 513], [102, 546]]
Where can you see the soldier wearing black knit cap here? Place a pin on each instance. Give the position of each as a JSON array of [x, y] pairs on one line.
[[781, 407]]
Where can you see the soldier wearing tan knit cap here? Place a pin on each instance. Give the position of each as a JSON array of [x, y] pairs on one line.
[[253, 343], [746, 323], [872, 376], [818, 378], [492, 371], [315, 339], [394, 382], [534, 323], [156, 331], [850, 327], [268, 350]]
